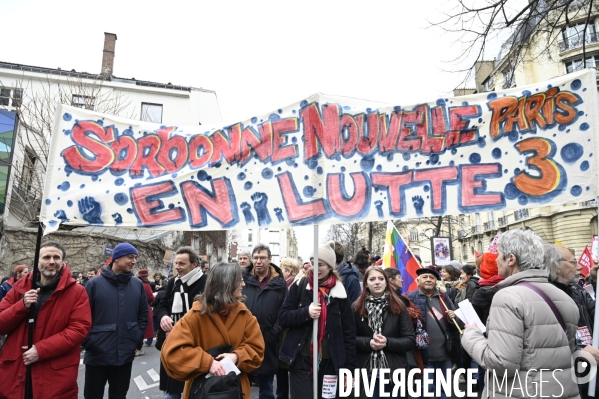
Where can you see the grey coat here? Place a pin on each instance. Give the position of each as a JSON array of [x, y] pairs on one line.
[[524, 336]]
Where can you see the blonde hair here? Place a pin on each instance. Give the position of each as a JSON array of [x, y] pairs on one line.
[[290, 264]]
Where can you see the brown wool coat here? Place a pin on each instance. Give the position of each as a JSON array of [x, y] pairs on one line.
[[183, 356]]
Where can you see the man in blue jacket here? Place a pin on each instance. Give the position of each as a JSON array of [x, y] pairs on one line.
[[119, 317], [348, 273]]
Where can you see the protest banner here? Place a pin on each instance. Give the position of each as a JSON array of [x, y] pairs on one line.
[[328, 160]]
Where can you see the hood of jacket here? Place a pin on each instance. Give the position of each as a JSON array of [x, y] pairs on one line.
[[66, 279], [530, 276], [121, 278], [346, 269]]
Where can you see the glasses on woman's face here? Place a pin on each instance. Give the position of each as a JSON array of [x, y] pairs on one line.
[[321, 265]]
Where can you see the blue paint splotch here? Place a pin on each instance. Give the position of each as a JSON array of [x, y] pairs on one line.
[[584, 166], [434, 158], [319, 170], [576, 84], [309, 191], [491, 96], [69, 203], [67, 117], [406, 156], [584, 126], [379, 168], [267, 173], [523, 200], [511, 191], [241, 176], [475, 157], [366, 164], [571, 152], [121, 198], [203, 175], [94, 177], [118, 219], [496, 153], [248, 185], [64, 186], [576, 190], [311, 163], [61, 215], [48, 201], [119, 182], [246, 209]]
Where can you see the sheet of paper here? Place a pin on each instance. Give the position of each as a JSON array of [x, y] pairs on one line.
[[589, 288], [228, 365], [470, 314]]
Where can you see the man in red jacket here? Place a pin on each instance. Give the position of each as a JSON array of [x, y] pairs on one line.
[[62, 321]]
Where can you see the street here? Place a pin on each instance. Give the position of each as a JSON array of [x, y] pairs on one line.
[[144, 377]]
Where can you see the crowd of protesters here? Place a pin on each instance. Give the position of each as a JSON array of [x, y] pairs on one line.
[[259, 316]]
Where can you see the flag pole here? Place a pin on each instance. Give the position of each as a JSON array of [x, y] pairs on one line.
[[593, 381], [315, 321]]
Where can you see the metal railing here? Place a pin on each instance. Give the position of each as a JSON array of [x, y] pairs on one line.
[[462, 233], [576, 41], [503, 221], [521, 214], [476, 229]]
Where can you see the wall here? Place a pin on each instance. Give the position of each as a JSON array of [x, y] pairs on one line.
[[84, 250]]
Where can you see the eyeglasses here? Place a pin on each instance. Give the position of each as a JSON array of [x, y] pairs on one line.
[[260, 257]]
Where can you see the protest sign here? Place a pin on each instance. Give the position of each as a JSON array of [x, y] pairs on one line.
[[328, 160]]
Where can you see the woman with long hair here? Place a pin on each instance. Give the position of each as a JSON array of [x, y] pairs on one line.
[[336, 327], [217, 317], [384, 331]]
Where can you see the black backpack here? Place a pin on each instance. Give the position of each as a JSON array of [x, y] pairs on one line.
[[217, 387]]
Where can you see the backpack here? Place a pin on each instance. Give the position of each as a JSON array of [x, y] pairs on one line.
[[217, 387]]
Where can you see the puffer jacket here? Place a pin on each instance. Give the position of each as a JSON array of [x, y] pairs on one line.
[[524, 337], [119, 309]]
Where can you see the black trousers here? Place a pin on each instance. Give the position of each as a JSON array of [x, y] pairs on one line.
[[118, 378], [300, 377]]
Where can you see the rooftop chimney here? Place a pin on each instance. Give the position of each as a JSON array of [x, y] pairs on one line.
[[108, 56]]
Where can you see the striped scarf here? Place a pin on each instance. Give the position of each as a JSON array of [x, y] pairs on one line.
[[375, 308]]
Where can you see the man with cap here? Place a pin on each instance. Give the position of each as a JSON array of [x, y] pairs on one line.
[[265, 290], [20, 271], [437, 310], [119, 310], [60, 308]]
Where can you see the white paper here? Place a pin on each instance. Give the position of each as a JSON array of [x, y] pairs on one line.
[[468, 315], [329, 386], [589, 288], [228, 365]]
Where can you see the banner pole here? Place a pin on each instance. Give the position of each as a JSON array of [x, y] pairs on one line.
[[593, 382], [34, 274], [315, 321]]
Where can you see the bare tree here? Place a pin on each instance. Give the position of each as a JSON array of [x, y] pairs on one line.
[[353, 236], [35, 103], [522, 26]]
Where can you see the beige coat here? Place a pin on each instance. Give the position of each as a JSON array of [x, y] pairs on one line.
[[524, 337]]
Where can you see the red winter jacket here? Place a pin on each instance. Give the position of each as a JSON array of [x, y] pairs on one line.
[[62, 323]]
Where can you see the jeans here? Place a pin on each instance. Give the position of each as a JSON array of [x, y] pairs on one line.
[[282, 383], [265, 384], [118, 378], [443, 365], [172, 395]]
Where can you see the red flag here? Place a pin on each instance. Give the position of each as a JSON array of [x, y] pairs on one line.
[[586, 261], [476, 254]]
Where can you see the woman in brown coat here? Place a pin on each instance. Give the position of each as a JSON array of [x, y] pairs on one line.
[[218, 317]]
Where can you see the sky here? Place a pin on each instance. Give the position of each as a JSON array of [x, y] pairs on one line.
[[257, 55]]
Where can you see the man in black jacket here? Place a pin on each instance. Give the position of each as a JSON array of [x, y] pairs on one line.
[[119, 311], [265, 291], [564, 272], [177, 300]]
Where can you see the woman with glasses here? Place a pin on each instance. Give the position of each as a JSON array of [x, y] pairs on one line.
[[336, 328], [217, 317], [384, 331]]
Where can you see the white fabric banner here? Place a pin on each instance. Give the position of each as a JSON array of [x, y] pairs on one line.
[[328, 160]]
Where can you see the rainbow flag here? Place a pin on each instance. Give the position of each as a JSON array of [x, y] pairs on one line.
[[398, 255]]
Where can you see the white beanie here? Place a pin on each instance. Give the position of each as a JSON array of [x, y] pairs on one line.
[[326, 253]]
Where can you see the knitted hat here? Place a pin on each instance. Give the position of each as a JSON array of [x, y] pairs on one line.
[[123, 249], [488, 265], [326, 253], [456, 263], [143, 273], [19, 269]]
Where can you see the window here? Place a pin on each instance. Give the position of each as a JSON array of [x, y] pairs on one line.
[[489, 84], [477, 217], [250, 237], [577, 64], [195, 243], [151, 112], [572, 35], [11, 97], [413, 234], [86, 102], [29, 164], [480, 247], [508, 77], [491, 220]]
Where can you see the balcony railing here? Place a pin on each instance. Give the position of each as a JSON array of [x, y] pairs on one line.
[[462, 233], [576, 41], [490, 225], [520, 214], [476, 230], [503, 221], [589, 203]]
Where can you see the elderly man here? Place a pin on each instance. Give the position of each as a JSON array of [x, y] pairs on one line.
[[437, 311], [119, 310], [243, 258], [531, 327], [564, 272], [61, 309]]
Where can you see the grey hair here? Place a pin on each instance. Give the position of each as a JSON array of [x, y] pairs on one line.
[[525, 245], [193, 256], [553, 261], [244, 251], [223, 280], [261, 247]]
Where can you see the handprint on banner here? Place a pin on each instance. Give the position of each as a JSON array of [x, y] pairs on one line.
[[279, 213], [247, 212], [90, 210], [118, 219], [260, 201], [61, 215], [418, 204], [379, 208]]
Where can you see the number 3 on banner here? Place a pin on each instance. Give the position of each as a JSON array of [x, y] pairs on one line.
[[541, 160]]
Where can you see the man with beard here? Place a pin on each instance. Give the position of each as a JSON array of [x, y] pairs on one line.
[[60, 308], [119, 311]]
